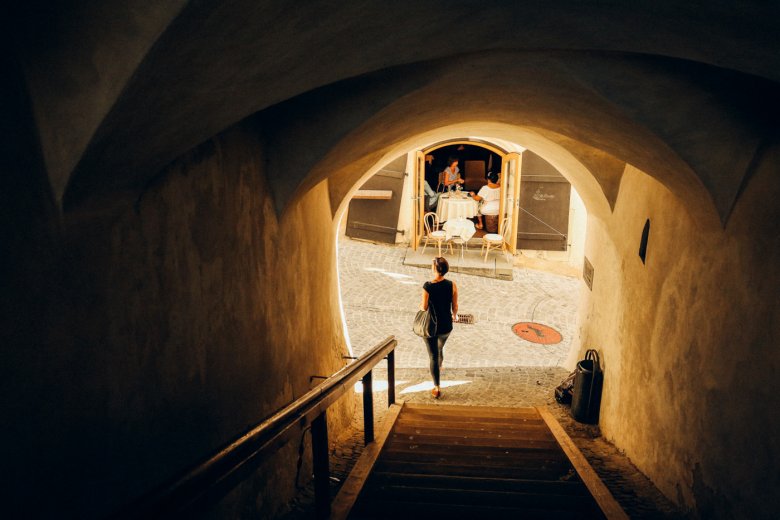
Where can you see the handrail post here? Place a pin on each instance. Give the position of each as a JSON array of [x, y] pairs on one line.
[[319, 448], [209, 481], [368, 408], [390, 378]]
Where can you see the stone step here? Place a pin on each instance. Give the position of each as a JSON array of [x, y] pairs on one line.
[[474, 462]]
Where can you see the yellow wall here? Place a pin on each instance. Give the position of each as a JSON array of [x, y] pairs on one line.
[[173, 326], [689, 342]]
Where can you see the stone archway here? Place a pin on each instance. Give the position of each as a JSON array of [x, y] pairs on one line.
[[569, 164], [178, 155]]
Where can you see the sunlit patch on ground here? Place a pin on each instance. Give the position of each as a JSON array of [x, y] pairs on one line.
[[399, 277], [428, 385]]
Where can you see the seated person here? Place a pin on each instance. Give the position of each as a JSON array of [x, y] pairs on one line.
[[451, 174], [489, 197], [431, 170], [431, 197]]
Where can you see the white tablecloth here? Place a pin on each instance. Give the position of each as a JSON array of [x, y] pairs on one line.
[[459, 227], [450, 208]]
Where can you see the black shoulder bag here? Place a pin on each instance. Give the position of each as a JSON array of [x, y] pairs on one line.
[[425, 323]]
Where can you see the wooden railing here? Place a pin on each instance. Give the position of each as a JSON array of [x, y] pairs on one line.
[[211, 480]]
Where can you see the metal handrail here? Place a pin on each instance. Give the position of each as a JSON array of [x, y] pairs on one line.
[[211, 480]]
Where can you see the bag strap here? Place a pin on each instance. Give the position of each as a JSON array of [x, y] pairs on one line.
[[592, 355]]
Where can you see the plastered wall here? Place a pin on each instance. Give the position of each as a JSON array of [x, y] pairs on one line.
[[688, 341], [170, 327]]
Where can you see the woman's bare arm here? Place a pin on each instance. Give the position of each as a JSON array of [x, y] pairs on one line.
[[454, 302], [424, 304]]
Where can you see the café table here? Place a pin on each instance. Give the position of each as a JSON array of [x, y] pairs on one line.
[[460, 230], [451, 207]]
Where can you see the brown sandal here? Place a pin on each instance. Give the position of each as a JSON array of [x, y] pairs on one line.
[[435, 392]]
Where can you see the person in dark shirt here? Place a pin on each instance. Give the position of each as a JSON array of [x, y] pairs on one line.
[[442, 295], [432, 170]]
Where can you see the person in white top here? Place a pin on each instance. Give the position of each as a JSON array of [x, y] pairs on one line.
[[489, 197]]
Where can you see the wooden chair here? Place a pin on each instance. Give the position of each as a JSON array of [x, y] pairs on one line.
[[497, 240], [433, 233], [440, 186]]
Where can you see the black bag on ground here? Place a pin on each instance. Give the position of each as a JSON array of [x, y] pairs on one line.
[[563, 391], [586, 395], [425, 323]]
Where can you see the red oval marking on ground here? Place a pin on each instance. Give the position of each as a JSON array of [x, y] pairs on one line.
[[537, 333]]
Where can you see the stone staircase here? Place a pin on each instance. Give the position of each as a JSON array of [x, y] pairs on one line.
[[473, 462]]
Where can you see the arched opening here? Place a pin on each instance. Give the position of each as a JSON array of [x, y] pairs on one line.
[[614, 307], [543, 223], [379, 285], [344, 181]]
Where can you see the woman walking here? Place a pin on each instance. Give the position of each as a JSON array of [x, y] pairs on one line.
[[442, 295]]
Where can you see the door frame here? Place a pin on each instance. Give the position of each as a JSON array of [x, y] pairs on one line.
[[511, 165], [418, 197]]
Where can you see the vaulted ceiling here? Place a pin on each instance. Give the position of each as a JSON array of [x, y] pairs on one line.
[[118, 89]]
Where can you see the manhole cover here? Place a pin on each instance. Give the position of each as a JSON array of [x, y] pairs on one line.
[[537, 333]]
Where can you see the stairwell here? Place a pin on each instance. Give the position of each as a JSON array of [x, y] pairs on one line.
[[473, 462]]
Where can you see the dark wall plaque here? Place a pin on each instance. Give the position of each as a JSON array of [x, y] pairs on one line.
[[587, 273]]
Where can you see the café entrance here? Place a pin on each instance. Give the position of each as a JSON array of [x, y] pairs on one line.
[[533, 208]]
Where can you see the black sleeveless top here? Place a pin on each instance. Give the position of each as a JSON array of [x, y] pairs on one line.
[[440, 298]]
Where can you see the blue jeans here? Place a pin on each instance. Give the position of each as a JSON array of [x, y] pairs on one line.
[[435, 346]]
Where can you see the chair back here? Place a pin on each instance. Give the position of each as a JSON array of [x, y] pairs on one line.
[[503, 229], [431, 222], [440, 186]]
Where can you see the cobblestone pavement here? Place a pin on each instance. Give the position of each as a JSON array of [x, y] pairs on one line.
[[380, 297]]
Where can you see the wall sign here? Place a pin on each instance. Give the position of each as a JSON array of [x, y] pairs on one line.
[[587, 273]]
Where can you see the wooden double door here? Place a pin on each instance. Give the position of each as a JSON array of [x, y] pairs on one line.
[[544, 206], [534, 206]]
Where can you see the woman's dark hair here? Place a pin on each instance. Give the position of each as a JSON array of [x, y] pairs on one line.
[[441, 264], [492, 177], [451, 160]]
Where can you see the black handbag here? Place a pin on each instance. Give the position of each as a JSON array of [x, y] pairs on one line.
[[563, 391], [586, 394], [425, 323]]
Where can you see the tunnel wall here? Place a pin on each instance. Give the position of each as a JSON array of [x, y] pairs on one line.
[[689, 343], [170, 328]]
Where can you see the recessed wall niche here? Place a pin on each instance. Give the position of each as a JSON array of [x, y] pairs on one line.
[[643, 242]]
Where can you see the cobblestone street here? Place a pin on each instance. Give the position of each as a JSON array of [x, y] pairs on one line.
[[485, 364], [380, 296]]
